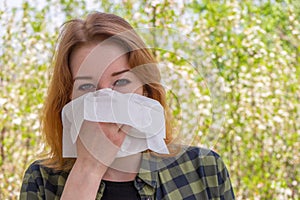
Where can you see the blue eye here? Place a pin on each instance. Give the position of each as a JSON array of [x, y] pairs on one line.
[[121, 82], [87, 86]]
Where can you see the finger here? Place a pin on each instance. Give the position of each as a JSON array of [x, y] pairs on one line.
[[113, 132]]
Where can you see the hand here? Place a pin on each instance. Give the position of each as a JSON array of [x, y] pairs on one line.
[[98, 143], [97, 146]]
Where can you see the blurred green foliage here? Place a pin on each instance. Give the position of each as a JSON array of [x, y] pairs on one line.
[[240, 97]]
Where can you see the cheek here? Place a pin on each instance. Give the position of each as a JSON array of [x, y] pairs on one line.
[[140, 90], [137, 86], [132, 88], [77, 93]]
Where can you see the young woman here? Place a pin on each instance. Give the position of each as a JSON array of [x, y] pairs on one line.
[[103, 51]]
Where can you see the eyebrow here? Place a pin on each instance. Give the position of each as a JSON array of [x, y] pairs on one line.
[[89, 77], [82, 77], [120, 72]]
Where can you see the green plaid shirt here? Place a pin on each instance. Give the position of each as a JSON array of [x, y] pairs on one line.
[[196, 173]]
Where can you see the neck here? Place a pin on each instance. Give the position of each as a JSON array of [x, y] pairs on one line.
[[118, 176], [123, 169]]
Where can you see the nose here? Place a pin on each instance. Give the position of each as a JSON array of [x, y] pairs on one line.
[[104, 84], [103, 87]]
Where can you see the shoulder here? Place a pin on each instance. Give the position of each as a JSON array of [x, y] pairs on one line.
[[199, 170], [34, 168], [207, 162], [199, 152], [193, 160], [41, 181], [213, 171], [199, 157], [34, 174], [37, 169]]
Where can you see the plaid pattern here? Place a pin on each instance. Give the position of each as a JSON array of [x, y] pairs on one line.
[[194, 174]]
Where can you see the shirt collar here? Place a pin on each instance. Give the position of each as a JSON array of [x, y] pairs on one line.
[[148, 170]]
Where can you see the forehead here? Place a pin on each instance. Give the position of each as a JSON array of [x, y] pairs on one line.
[[97, 58]]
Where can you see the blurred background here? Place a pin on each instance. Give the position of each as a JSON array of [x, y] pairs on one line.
[[237, 87]]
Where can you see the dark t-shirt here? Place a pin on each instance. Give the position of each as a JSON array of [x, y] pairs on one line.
[[120, 191]]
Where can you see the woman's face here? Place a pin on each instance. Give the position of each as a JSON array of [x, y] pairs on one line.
[[101, 66]]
